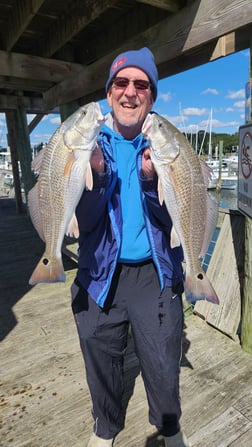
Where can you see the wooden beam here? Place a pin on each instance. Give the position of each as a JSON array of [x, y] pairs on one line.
[[38, 68], [28, 85], [206, 53], [22, 13], [36, 120], [167, 5], [198, 24], [71, 24], [31, 105], [12, 142]]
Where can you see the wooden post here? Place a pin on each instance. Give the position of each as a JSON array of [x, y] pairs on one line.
[[67, 109], [24, 150], [12, 142], [19, 142], [246, 326]]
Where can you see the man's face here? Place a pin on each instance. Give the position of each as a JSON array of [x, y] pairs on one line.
[[130, 104]]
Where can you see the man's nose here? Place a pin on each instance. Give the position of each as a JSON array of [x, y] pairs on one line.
[[130, 89]]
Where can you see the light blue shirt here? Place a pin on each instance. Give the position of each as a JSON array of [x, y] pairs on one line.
[[135, 245]]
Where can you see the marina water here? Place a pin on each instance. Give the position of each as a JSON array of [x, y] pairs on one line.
[[226, 198]]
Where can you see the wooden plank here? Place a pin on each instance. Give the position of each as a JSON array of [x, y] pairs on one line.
[[224, 272], [44, 399], [33, 67], [221, 431], [246, 334], [243, 441], [22, 14], [193, 26], [70, 248]]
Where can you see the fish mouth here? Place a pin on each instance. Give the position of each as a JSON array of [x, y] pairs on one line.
[[146, 125], [99, 116]]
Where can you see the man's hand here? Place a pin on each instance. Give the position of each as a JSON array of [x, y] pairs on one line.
[[147, 165], [97, 160]]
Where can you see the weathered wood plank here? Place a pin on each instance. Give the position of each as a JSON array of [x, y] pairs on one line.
[[246, 334], [44, 399], [198, 23], [225, 273], [227, 427]]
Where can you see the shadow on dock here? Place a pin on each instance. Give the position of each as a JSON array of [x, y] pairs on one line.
[[20, 250], [44, 399]]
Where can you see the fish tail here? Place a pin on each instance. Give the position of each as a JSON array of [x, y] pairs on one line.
[[198, 287], [48, 271]]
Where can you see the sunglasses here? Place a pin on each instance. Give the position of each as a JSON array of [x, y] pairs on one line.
[[139, 84]]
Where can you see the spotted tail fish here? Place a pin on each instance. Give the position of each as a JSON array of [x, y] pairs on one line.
[[182, 185], [64, 171]]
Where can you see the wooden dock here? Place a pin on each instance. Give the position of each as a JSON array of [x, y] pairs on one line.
[[44, 400]]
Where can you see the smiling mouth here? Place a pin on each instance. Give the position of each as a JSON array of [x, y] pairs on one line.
[[128, 106]]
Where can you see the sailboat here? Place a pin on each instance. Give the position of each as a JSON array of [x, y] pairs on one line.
[[224, 170]]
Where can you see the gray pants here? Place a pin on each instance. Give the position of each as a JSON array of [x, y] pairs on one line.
[[156, 321]]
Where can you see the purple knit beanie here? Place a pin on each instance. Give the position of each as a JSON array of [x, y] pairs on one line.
[[142, 59]]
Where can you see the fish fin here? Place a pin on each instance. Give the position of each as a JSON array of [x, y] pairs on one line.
[[211, 222], [37, 161], [89, 178], [33, 206], [198, 287], [160, 192], [73, 228], [175, 241], [68, 165], [48, 271]]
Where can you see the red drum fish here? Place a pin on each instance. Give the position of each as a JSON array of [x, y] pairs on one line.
[[64, 171], [182, 185]]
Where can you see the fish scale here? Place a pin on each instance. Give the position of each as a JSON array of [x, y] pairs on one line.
[[63, 169], [182, 181]]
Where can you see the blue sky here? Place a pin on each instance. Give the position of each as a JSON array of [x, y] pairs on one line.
[[185, 99]]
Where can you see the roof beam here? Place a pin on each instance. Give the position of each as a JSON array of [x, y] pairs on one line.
[[37, 68], [30, 105], [23, 12], [167, 5], [69, 25], [198, 24]]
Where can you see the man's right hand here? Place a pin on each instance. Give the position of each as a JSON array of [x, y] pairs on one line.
[[97, 160]]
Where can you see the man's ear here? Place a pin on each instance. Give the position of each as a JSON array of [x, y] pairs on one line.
[[109, 95]]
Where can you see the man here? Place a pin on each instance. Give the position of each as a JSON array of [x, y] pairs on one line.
[[127, 272]]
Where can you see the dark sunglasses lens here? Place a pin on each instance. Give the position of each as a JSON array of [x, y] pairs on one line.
[[121, 82], [139, 84]]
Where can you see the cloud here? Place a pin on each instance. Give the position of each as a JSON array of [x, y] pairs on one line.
[[235, 95], [211, 91], [166, 97], [239, 104], [217, 124], [55, 120], [195, 111]]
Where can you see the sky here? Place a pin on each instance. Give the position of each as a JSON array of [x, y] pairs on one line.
[[211, 96]]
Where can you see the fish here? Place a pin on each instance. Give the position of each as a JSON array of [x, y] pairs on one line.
[[63, 172], [182, 186]]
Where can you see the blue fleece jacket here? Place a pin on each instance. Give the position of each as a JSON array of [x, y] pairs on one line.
[[105, 220]]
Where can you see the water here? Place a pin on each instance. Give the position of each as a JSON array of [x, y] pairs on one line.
[[226, 198]]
